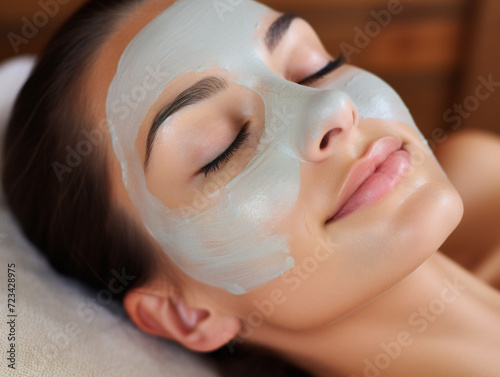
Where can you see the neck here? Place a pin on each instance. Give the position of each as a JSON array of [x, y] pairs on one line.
[[439, 321]]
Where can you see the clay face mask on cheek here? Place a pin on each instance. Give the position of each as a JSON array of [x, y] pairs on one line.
[[230, 243]]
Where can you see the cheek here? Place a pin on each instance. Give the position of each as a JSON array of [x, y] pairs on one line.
[[232, 244]]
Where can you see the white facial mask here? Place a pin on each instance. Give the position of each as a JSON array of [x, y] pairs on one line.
[[231, 244]]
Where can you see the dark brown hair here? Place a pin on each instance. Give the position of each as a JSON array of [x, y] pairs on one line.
[[61, 199]]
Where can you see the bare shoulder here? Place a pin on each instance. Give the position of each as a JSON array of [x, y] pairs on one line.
[[471, 159]]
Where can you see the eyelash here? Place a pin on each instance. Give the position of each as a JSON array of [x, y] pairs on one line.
[[330, 67], [216, 164]]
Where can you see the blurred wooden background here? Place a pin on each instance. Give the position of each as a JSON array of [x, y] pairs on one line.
[[436, 53]]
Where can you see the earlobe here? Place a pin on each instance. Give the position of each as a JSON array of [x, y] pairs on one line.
[[202, 330], [199, 329]]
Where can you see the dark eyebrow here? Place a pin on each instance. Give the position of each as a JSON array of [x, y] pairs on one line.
[[278, 29], [199, 91]]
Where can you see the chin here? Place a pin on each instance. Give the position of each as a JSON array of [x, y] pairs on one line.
[[427, 220]]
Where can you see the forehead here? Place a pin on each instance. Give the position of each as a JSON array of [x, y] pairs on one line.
[[182, 31], [189, 36], [188, 14]]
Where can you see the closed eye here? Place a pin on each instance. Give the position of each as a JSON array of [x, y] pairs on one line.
[[225, 156], [330, 67]]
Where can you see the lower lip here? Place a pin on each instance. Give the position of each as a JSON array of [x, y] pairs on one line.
[[380, 183]]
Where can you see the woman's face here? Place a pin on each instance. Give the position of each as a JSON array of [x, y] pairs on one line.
[[272, 171]]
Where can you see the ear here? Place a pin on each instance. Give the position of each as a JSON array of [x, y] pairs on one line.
[[167, 315]]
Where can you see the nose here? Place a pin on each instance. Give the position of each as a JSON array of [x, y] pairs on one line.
[[332, 116]]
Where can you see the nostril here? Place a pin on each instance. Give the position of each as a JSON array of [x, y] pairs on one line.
[[326, 138], [324, 141]]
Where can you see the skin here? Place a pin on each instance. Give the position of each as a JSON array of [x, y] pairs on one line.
[[382, 265]]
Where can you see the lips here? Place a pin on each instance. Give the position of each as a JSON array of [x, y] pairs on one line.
[[372, 177]]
